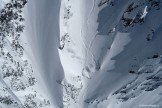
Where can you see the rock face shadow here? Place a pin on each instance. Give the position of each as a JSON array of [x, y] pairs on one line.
[[103, 17]]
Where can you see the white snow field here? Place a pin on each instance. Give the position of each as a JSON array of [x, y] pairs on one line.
[[80, 54]]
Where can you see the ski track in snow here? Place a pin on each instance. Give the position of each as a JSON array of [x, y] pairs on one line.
[[87, 26], [91, 11]]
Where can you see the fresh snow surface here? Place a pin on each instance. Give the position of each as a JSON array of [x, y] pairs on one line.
[[84, 54]]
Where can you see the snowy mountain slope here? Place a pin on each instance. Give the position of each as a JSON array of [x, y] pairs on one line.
[[119, 36], [72, 51], [130, 47], [80, 54], [19, 85], [42, 35]]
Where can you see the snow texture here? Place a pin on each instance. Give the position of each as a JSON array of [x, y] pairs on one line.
[[80, 54]]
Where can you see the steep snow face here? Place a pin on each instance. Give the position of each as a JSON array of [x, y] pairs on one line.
[[127, 38], [72, 51], [18, 80], [117, 40], [42, 36], [80, 54]]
